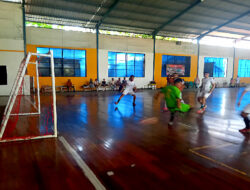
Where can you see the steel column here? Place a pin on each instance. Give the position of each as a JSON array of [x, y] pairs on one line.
[[154, 57], [24, 27], [97, 50], [234, 57], [198, 57]]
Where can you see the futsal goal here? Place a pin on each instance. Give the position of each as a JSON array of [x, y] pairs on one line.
[[24, 118]]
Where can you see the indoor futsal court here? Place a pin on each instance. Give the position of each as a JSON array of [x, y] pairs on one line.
[[124, 94]]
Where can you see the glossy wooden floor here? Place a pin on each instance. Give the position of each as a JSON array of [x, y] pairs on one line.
[[198, 152]]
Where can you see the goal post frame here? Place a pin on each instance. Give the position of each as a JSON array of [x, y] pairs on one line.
[[14, 92], [38, 108]]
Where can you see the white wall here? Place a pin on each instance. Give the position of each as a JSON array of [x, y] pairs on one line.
[[121, 43], [242, 53], [127, 45], [11, 42], [169, 47], [60, 38], [11, 21]]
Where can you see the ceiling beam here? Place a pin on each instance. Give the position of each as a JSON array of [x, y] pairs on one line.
[[66, 9], [85, 21], [89, 14], [112, 7], [51, 17], [166, 9], [224, 24], [157, 30], [236, 3], [222, 30]]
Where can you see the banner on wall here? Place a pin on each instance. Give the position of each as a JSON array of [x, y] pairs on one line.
[[179, 69]]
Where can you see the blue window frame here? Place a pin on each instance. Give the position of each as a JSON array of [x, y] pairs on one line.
[[244, 68], [126, 64], [215, 66], [176, 62], [68, 62]]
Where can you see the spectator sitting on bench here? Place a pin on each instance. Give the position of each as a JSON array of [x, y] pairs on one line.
[[118, 82], [104, 84], [70, 85], [124, 83], [96, 83], [91, 83], [112, 84], [232, 83]]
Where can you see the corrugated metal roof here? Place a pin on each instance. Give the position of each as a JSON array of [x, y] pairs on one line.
[[178, 18]]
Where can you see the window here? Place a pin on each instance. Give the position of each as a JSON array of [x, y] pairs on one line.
[[68, 62], [244, 68], [125, 64], [216, 67], [175, 64]]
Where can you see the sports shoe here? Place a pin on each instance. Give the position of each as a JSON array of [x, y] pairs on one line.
[[245, 130], [200, 111], [170, 123], [165, 109], [203, 107]]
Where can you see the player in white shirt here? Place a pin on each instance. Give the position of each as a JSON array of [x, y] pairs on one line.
[[129, 89], [246, 112], [206, 89]]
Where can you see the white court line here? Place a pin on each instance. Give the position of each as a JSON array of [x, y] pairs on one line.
[[217, 162], [196, 149], [185, 125], [86, 170]]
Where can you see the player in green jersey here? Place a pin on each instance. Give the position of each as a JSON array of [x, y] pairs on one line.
[[173, 97]]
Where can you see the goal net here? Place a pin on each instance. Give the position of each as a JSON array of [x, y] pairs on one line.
[[28, 115]]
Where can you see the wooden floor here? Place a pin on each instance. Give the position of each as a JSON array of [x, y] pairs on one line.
[[198, 152]]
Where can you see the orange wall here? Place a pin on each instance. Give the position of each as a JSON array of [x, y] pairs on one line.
[[161, 81], [91, 64], [243, 79]]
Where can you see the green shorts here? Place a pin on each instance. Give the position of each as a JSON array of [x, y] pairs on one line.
[[184, 108]]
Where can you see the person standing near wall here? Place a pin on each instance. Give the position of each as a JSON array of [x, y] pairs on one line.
[[238, 81], [112, 84], [197, 82]]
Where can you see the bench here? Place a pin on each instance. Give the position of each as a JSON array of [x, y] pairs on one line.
[[46, 88], [87, 88], [150, 86]]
